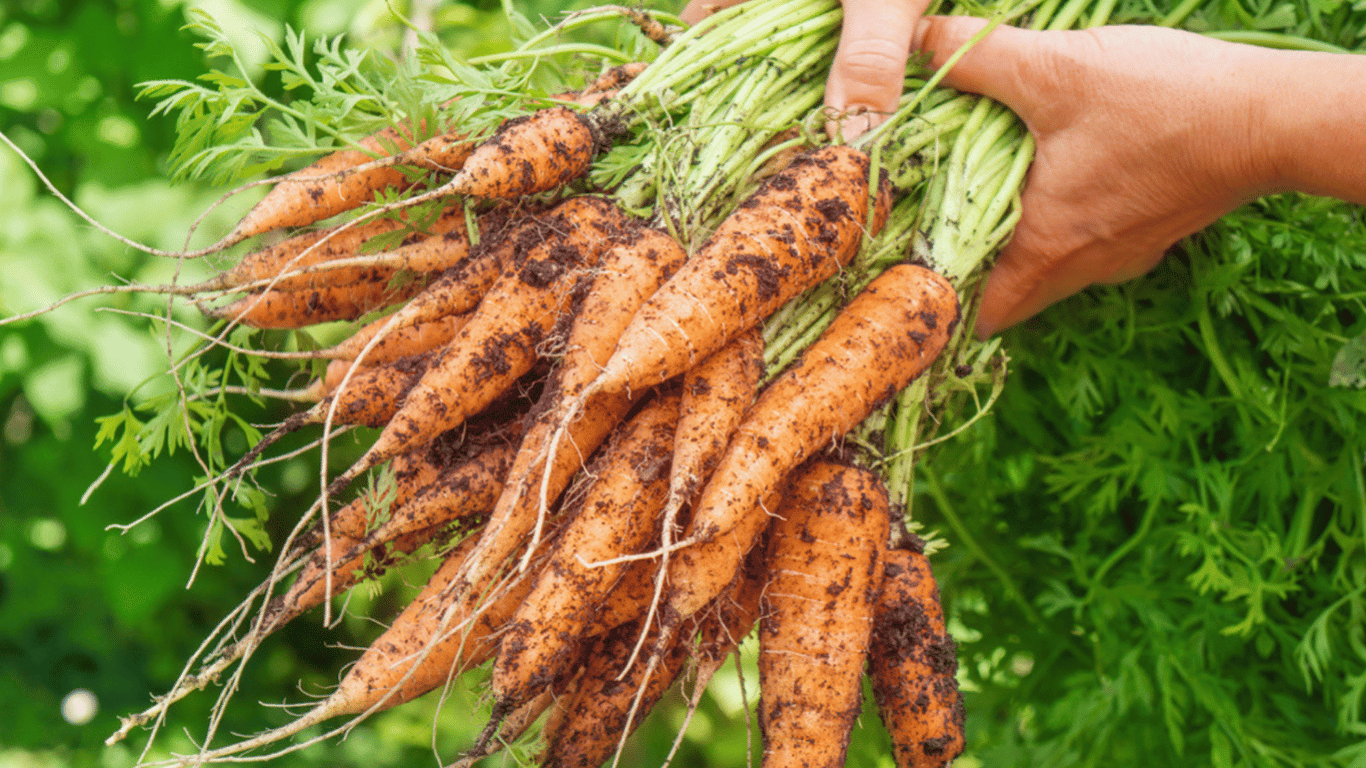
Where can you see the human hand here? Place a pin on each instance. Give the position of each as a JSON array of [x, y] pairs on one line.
[[1143, 136], [864, 84]]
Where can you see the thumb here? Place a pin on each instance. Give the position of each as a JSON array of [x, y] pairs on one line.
[[870, 63], [697, 10], [992, 67]]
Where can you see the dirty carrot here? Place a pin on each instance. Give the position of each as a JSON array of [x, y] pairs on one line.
[[627, 275], [798, 229], [302, 308], [326, 188], [824, 562], [616, 516], [502, 338], [886, 337], [602, 708], [913, 664], [530, 154]]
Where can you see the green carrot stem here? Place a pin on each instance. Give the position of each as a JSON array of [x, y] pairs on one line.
[[1275, 40], [902, 428], [591, 49]]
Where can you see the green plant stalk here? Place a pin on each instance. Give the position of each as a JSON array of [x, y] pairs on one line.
[[941, 500], [746, 30], [722, 128], [903, 428], [1275, 40], [590, 49]]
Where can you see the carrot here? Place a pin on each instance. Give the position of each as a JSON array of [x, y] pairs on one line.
[[913, 662], [349, 566], [500, 341], [798, 229], [352, 568], [328, 187], [601, 711], [628, 600], [626, 276], [412, 472], [374, 394], [703, 568], [297, 309], [460, 287], [437, 637], [380, 670], [716, 395], [606, 85], [410, 341], [309, 249], [731, 616], [887, 336], [347, 179], [403, 342], [463, 492], [721, 630], [467, 489], [617, 516], [530, 154], [824, 563]]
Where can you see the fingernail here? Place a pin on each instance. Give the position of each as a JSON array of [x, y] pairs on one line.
[[855, 126]]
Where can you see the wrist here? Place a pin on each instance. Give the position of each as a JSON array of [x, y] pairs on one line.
[[1306, 116]]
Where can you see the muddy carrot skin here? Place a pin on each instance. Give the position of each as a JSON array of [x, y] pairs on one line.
[[824, 563], [617, 516], [913, 664]]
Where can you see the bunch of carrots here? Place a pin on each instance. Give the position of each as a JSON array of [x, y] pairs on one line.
[[634, 414]]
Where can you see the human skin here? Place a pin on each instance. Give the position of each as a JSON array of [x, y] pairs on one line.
[[1143, 136]]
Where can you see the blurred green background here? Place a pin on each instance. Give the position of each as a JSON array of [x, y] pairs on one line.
[[1157, 540]]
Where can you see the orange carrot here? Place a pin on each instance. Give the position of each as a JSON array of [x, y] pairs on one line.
[[602, 708], [349, 566], [513, 727], [626, 276], [716, 395], [913, 664], [547, 150], [403, 342], [700, 571], [887, 336], [412, 471], [612, 79], [467, 489], [798, 229], [463, 492], [460, 287], [500, 342], [327, 187], [436, 638], [534, 153], [374, 394], [313, 248], [349, 569], [616, 516], [297, 309], [628, 600], [723, 626], [824, 563]]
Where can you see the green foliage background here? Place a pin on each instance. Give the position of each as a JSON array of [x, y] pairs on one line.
[[1158, 536]]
